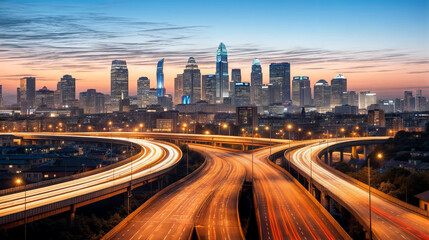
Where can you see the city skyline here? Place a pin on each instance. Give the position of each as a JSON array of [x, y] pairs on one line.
[[78, 44]]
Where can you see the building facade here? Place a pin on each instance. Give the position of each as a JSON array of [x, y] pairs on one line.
[[143, 87], [178, 89], [160, 78], [280, 76], [209, 82], [242, 94], [222, 78], [192, 81], [301, 91], [322, 96], [118, 83], [338, 87], [256, 82], [92, 102], [27, 94]]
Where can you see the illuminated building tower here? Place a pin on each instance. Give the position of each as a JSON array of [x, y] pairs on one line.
[[280, 76], [27, 94], [143, 87], [256, 82], [192, 81], [222, 77], [301, 91], [322, 96], [118, 83], [160, 90], [338, 87], [209, 83], [67, 86]]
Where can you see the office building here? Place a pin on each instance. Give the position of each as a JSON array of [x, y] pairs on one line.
[[256, 82], [192, 81], [388, 106], [222, 78], [44, 98], [92, 102], [350, 98], [178, 89], [242, 94], [338, 87], [153, 96], [280, 76], [247, 117], [67, 86], [235, 78], [1, 96], [409, 101], [143, 87], [160, 78], [376, 118], [209, 82], [27, 94], [322, 96], [421, 103], [301, 91], [118, 83]]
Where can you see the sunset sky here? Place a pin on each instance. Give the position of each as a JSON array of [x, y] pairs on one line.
[[382, 46]]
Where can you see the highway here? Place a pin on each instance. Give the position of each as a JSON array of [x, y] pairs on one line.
[[156, 157], [284, 210], [389, 221], [172, 214]]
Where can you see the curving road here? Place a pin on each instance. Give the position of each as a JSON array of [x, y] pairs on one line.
[[156, 157], [389, 221], [172, 214]]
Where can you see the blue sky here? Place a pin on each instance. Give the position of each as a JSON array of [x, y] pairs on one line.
[[368, 41]]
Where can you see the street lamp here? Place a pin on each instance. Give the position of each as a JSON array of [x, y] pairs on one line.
[[342, 131], [229, 128], [268, 129], [187, 151], [207, 132], [311, 137], [141, 127], [18, 182], [289, 127]]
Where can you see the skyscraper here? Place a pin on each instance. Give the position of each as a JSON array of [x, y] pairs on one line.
[[92, 101], [322, 96], [256, 82], [209, 82], [118, 83], [350, 98], [301, 91], [44, 98], [67, 86], [409, 101], [280, 76], [27, 94], [143, 87], [160, 90], [222, 77], [235, 78], [338, 86], [242, 94], [178, 89], [192, 81]]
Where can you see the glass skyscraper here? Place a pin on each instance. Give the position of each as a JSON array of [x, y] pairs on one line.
[[143, 87], [209, 82], [118, 83], [280, 76], [256, 82], [67, 86], [160, 90], [301, 91], [222, 78], [235, 78], [338, 87], [322, 96], [192, 81]]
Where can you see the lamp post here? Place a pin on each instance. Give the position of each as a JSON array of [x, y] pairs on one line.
[[289, 127], [269, 129], [18, 182], [342, 131], [229, 128]]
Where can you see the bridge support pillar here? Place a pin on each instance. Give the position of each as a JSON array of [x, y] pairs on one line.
[[330, 157], [127, 196], [72, 215], [326, 157], [354, 153], [342, 155], [324, 200], [365, 152], [159, 183]]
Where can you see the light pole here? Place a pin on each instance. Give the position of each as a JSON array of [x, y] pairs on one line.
[[269, 129], [19, 181], [289, 127], [229, 128]]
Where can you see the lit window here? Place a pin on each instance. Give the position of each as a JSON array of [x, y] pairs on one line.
[[18, 171], [10, 166], [55, 175], [46, 176]]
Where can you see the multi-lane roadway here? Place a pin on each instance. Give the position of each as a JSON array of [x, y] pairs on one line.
[[389, 221], [156, 157]]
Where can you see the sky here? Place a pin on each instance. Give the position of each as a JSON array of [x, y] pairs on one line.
[[381, 46]]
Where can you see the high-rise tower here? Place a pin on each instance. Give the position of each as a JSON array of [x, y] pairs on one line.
[[322, 96], [222, 77], [338, 87], [27, 94], [256, 82], [118, 83], [67, 86], [143, 88], [280, 76], [192, 81], [160, 90]]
